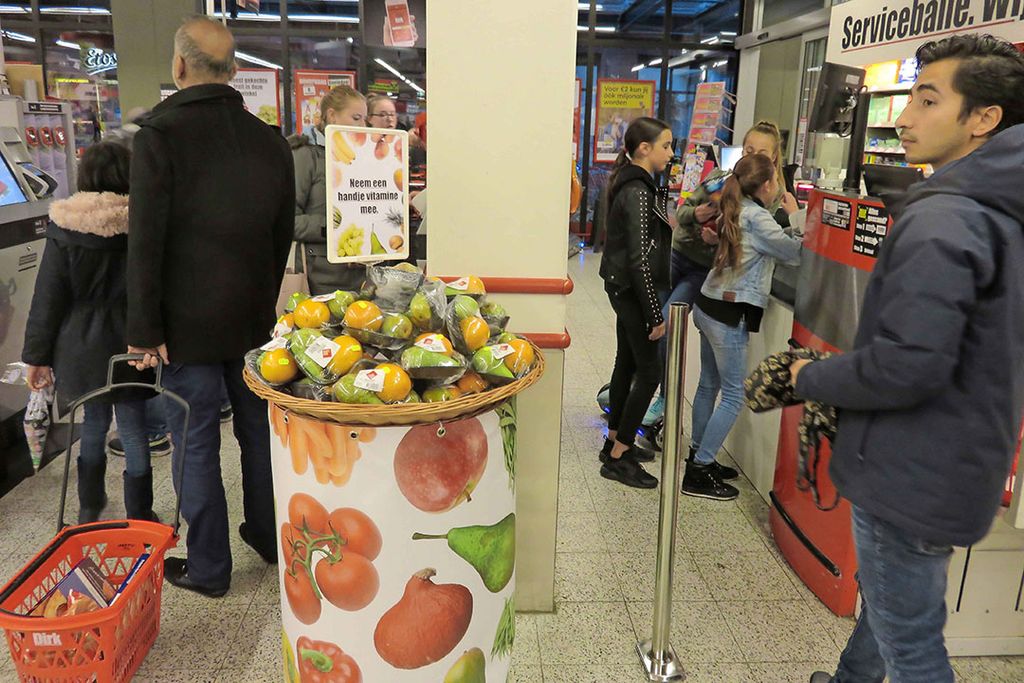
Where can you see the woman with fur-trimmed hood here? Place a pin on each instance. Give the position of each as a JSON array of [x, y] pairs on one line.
[[77, 322]]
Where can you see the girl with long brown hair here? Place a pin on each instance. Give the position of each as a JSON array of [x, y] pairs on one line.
[[730, 306]]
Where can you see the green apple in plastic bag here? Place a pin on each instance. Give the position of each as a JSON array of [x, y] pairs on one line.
[[486, 363]]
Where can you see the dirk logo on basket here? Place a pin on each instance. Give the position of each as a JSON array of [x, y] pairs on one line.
[[46, 639]]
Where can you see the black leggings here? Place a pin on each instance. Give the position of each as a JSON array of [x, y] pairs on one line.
[[638, 367]]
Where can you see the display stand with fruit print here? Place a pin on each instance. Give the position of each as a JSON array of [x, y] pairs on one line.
[[393, 413]]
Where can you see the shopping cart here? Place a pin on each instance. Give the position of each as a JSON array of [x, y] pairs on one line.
[[108, 644]]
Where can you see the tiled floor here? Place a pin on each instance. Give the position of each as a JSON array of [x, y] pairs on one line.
[[739, 613]]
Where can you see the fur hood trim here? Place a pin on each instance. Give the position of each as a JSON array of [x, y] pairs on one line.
[[104, 214]]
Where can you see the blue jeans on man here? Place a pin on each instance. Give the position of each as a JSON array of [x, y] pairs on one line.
[[203, 502], [723, 367], [903, 590]]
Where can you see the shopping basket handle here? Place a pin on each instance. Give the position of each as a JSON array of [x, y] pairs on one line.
[[131, 358], [158, 387]]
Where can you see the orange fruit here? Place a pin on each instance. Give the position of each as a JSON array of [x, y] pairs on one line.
[[475, 332], [448, 350], [278, 366], [476, 286], [397, 383], [471, 383], [364, 315], [520, 361], [311, 314], [287, 319], [350, 352]]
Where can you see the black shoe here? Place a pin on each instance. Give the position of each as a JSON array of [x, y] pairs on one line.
[[634, 452], [226, 414], [269, 555], [721, 472], [627, 471], [159, 445], [701, 482], [821, 677], [175, 573]]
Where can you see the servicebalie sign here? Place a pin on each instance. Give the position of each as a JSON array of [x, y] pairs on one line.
[[870, 31]]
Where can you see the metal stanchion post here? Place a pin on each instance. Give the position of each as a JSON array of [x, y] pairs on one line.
[[657, 655]]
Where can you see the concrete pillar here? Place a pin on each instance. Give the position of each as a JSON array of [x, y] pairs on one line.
[[500, 78], [144, 37]]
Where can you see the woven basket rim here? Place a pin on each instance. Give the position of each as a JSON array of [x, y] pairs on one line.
[[399, 414]]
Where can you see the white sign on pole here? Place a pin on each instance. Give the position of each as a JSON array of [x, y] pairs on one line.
[[869, 31]]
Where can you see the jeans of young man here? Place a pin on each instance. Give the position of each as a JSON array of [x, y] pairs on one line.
[[131, 426], [203, 503], [638, 367], [723, 367], [903, 589], [156, 418]]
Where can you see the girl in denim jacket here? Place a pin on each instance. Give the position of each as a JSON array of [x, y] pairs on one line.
[[730, 306]]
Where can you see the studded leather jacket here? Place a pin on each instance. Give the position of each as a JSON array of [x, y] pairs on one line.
[[639, 242]]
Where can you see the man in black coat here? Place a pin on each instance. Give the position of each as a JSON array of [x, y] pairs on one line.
[[212, 219], [930, 398]]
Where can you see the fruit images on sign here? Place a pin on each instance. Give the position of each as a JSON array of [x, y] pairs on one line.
[[331, 448], [328, 557], [437, 468], [471, 667], [426, 624], [491, 550]]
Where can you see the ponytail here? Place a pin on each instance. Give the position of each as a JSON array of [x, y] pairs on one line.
[[750, 173], [643, 129]]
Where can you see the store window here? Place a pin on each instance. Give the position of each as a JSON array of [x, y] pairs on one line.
[[626, 18], [261, 76], [714, 22], [81, 68], [20, 46], [814, 58], [78, 11], [319, 12], [318, 64]]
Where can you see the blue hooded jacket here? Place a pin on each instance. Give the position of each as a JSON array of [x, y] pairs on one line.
[[930, 397]]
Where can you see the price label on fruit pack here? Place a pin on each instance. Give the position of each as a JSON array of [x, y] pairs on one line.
[[499, 351], [371, 380], [324, 298], [281, 329], [433, 343], [462, 284], [321, 350], [275, 343]]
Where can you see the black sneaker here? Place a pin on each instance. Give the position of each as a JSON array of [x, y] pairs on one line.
[[634, 452], [159, 445], [226, 414], [701, 482], [721, 472], [650, 436], [627, 471]]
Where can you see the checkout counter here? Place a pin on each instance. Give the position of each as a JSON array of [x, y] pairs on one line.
[[818, 305], [36, 166]]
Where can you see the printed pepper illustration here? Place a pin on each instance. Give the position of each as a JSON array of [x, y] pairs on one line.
[[426, 624], [437, 468], [323, 662], [333, 449], [347, 541], [491, 550]]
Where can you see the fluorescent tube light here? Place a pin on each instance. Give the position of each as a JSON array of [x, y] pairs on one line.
[[638, 67], [69, 45], [399, 74], [19, 36], [245, 57], [654, 62]]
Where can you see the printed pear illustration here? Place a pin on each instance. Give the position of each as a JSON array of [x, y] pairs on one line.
[[491, 550], [470, 668]]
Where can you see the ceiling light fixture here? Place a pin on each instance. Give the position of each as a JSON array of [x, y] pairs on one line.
[[245, 57]]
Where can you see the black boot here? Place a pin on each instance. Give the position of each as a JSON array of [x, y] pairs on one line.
[[92, 494], [138, 497], [700, 481], [722, 472]]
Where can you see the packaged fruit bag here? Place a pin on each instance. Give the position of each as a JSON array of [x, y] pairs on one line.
[[432, 357], [428, 307], [469, 286], [495, 315], [386, 383], [321, 358], [273, 364], [365, 321], [467, 329], [394, 286], [508, 360]]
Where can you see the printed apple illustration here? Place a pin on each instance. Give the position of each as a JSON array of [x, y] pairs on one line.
[[437, 468]]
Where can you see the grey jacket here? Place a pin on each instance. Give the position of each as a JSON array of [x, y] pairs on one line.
[[311, 219], [930, 398]]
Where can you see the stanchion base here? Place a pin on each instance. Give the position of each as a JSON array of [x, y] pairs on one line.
[[660, 670]]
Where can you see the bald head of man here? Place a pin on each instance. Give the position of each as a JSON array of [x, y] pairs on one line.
[[204, 52]]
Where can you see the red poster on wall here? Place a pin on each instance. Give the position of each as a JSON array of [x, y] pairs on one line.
[[310, 86], [619, 102]]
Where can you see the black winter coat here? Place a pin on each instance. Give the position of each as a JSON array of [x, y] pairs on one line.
[[639, 242], [212, 220], [930, 397], [77, 319]]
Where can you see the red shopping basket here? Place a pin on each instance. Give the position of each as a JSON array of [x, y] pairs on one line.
[[108, 644]]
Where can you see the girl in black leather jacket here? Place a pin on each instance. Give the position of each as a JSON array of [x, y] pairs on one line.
[[635, 268]]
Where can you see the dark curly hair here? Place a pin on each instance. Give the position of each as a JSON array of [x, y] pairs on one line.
[[104, 167], [990, 73]]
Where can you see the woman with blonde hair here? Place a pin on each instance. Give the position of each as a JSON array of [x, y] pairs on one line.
[[340, 106], [728, 308], [381, 112]]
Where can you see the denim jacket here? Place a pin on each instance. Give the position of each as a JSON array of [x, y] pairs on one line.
[[764, 242]]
